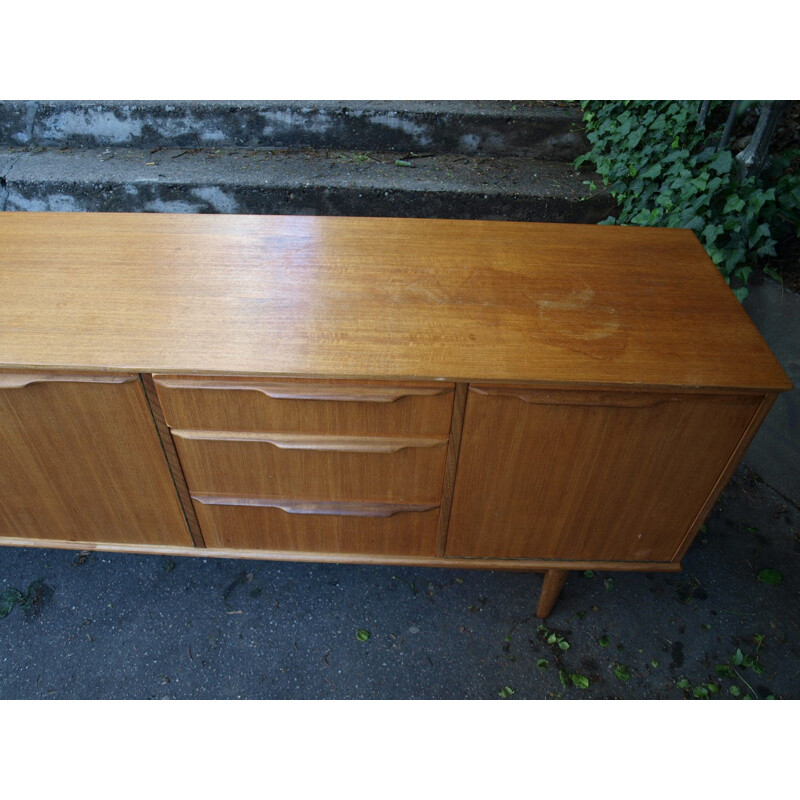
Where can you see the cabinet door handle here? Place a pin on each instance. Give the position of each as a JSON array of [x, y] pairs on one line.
[[19, 380], [570, 397], [315, 507], [304, 391], [301, 441]]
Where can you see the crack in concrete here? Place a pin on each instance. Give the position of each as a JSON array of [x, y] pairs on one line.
[[31, 109], [5, 191]]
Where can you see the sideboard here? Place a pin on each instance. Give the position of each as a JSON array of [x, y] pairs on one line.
[[472, 394]]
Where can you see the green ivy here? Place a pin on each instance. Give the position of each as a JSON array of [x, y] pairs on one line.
[[664, 172]]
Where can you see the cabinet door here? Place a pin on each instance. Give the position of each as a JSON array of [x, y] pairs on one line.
[[82, 462], [600, 476]]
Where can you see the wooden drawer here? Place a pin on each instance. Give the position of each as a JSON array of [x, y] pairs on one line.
[[318, 527], [299, 466], [371, 408]]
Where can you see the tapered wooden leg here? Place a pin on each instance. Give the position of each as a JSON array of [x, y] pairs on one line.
[[551, 589]]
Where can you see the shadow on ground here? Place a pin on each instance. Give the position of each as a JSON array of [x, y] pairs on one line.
[[97, 625]]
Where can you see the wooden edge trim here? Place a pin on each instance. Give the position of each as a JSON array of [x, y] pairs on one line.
[[513, 565], [592, 397], [19, 380], [749, 432], [173, 460], [632, 388], [302, 441], [453, 450], [323, 508], [305, 391]]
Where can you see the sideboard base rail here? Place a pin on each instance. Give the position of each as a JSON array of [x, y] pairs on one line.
[[555, 572]]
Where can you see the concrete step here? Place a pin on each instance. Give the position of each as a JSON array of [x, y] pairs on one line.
[[256, 181], [541, 130]]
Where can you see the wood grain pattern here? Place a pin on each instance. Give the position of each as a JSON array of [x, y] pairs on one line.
[[417, 415], [341, 391], [412, 533], [18, 380], [510, 565], [336, 297], [316, 441], [315, 507], [412, 474], [726, 474], [551, 589], [82, 461], [171, 454], [588, 397], [610, 483], [457, 423]]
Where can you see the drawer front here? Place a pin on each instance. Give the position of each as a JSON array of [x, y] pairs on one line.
[[372, 408], [319, 528], [313, 466]]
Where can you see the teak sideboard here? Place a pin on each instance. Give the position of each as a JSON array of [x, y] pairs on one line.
[[543, 397]]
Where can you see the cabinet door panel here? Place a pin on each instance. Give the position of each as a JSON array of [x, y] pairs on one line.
[[81, 461], [601, 476]]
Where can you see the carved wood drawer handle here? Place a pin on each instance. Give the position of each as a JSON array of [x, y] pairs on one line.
[[304, 391], [316, 507], [19, 380], [301, 441], [558, 397]]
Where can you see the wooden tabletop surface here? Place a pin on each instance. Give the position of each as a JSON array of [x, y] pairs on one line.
[[348, 297]]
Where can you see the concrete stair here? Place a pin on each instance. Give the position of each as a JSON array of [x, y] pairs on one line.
[[488, 159]]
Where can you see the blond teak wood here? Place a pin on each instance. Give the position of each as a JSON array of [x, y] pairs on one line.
[[434, 392], [82, 462], [413, 473], [617, 480], [340, 408]]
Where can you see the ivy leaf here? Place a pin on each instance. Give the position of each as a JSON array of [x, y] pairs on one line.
[[761, 232], [737, 658], [770, 576], [734, 690], [8, 599], [700, 692], [581, 681], [710, 233], [722, 163], [741, 293], [563, 644], [653, 171], [734, 204]]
